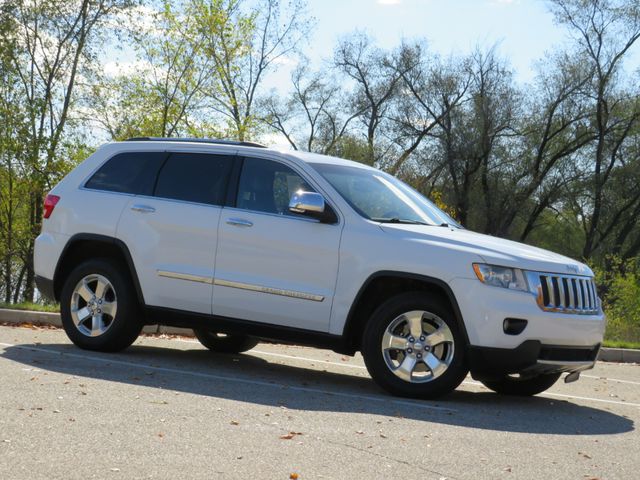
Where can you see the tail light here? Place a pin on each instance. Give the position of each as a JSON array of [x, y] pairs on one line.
[[50, 203]]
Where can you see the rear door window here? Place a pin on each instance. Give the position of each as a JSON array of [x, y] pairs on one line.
[[128, 172], [195, 177]]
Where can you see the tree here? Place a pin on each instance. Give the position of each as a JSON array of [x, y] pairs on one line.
[[242, 48], [313, 117], [604, 32], [53, 42]]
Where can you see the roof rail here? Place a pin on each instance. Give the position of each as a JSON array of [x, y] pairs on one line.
[[214, 141]]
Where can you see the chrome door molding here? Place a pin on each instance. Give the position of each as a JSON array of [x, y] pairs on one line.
[[185, 276], [239, 285], [271, 290]]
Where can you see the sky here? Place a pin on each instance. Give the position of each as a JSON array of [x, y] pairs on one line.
[[523, 29]]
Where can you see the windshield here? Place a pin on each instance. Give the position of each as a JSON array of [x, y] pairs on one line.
[[381, 197]]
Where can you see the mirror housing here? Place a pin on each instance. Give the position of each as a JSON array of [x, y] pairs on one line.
[[309, 203]]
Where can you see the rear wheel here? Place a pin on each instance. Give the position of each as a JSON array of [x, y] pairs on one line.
[[413, 346], [219, 342], [99, 308], [522, 386]]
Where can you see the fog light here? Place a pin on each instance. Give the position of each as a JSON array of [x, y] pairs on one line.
[[514, 326]]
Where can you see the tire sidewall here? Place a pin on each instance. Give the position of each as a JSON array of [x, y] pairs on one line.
[[372, 341], [125, 326]]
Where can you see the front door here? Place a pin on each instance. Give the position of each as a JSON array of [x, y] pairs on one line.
[[272, 265]]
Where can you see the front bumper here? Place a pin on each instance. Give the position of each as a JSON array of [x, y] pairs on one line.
[[531, 357], [484, 309]]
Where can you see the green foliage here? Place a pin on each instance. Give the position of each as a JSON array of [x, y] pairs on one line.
[[34, 307], [620, 288]]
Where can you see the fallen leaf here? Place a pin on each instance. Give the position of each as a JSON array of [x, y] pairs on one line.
[[289, 435], [293, 476]]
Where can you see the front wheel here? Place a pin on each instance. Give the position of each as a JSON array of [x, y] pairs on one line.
[[522, 386], [413, 346]]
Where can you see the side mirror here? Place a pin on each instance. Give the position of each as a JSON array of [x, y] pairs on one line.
[[306, 202]]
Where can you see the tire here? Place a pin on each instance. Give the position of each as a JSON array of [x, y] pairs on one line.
[[523, 387], [115, 302], [218, 342], [445, 351]]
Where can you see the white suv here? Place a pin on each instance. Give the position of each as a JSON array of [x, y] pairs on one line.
[[242, 242]]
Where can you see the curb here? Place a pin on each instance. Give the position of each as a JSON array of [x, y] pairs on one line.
[[617, 355], [53, 319]]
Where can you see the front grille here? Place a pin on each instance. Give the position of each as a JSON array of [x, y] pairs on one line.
[[566, 293]]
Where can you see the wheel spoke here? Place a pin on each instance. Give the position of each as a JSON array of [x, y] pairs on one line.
[[82, 314], [85, 292], [394, 342], [436, 366], [97, 325], [109, 308], [406, 368], [101, 288], [441, 335], [414, 320]]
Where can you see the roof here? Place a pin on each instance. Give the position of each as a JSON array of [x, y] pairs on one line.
[[306, 157], [214, 141]]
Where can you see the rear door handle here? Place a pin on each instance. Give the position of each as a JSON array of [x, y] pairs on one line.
[[143, 208], [239, 222]]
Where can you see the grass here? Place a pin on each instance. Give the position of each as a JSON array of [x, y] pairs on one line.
[[621, 344], [36, 307]]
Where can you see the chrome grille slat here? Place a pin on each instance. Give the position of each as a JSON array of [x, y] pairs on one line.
[[572, 298], [552, 293], [564, 293], [563, 296]]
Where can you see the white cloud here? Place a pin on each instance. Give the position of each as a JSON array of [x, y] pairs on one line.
[[389, 2], [124, 68]]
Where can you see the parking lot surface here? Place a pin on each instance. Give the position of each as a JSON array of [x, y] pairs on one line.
[[168, 408]]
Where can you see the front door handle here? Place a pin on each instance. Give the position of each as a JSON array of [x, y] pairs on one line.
[[239, 222], [143, 208]]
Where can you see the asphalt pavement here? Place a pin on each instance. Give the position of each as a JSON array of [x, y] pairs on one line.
[[168, 408]]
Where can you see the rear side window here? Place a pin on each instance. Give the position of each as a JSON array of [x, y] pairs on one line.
[[195, 177], [130, 172]]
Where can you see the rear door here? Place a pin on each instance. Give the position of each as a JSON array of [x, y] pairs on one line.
[[274, 266], [172, 234]]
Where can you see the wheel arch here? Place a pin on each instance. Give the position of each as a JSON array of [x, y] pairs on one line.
[[382, 285], [84, 246]]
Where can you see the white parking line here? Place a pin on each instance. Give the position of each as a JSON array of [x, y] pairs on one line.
[[232, 379], [610, 379], [561, 395], [307, 389]]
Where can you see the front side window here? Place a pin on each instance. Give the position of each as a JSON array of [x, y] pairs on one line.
[[128, 172], [195, 177], [267, 186], [380, 197]]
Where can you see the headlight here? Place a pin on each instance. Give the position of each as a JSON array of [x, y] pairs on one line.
[[504, 277]]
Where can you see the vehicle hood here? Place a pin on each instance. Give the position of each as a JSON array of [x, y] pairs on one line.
[[493, 250]]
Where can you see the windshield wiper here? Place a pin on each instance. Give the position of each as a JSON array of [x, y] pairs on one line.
[[399, 220]]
